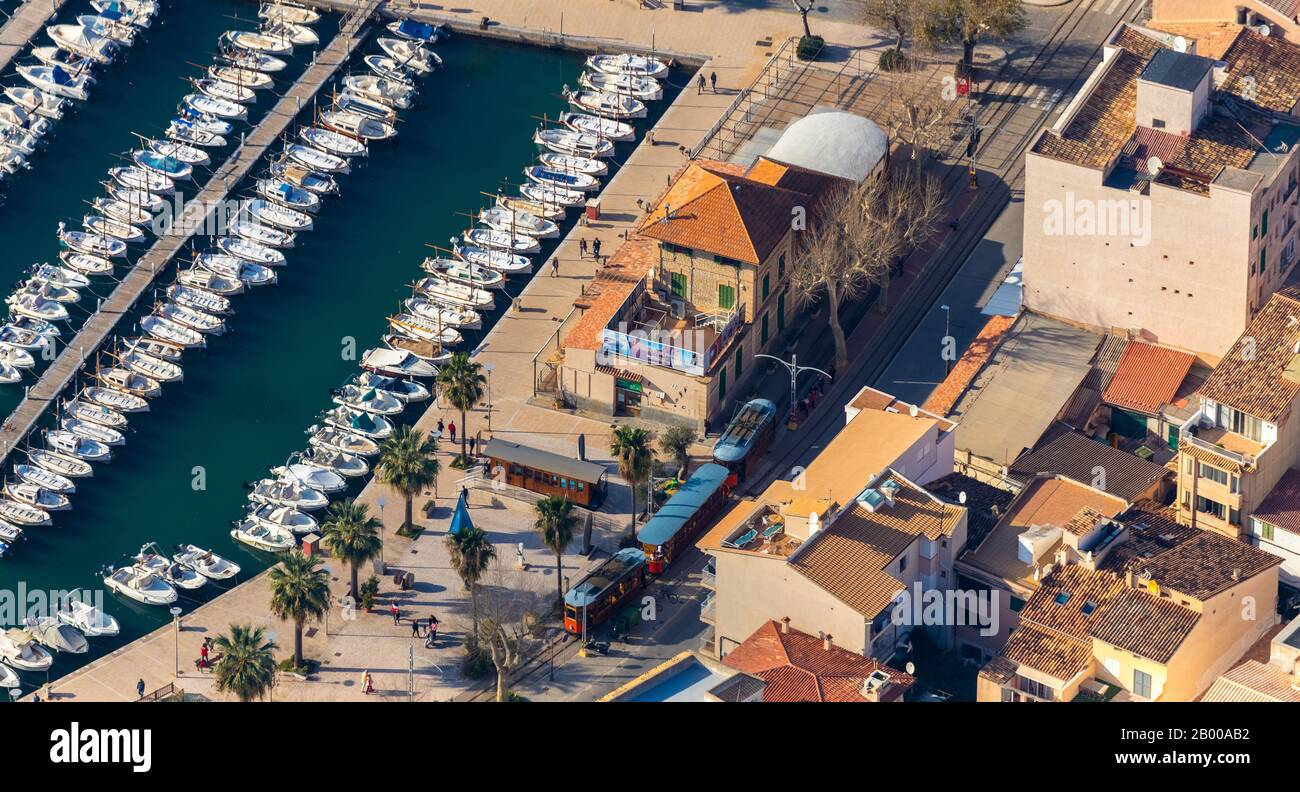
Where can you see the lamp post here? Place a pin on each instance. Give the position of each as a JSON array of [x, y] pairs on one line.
[[176, 636], [382, 503], [15, 694], [488, 368], [792, 366]]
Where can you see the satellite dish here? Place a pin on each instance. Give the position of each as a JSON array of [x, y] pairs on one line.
[[961, 497], [1180, 44], [1263, 29], [910, 668], [913, 411], [1154, 164]]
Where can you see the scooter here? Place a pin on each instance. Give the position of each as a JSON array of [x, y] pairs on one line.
[[599, 647]]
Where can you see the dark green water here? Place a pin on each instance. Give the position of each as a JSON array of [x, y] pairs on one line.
[[246, 400]]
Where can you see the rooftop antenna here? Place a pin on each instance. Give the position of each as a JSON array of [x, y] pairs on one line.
[[1180, 44]]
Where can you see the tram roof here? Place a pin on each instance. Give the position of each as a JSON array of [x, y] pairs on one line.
[[682, 506], [738, 438], [590, 587]]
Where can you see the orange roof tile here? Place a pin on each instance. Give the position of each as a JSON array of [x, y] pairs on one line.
[[610, 288], [972, 360], [1148, 377]]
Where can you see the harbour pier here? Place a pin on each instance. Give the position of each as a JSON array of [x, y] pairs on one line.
[[28, 20], [138, 280]]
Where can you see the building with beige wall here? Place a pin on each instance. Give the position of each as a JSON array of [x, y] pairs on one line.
[[1169, 138], [1279, 15]]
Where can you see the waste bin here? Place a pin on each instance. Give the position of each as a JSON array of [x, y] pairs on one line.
[[593, 209], [311, 545]]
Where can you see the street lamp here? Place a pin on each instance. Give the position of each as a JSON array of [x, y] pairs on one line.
[[488, 368], [792, 366], [176, 636], [15, 694], [382, 503]]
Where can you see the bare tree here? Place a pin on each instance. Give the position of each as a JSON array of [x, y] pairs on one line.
[[508, 620], [803, 10], [965, 22], [919, 112], [898, 16], [860, 235]]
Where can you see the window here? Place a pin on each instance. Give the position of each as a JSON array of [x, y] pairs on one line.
[[739, 361], [1207, 506], [762, 336], [780, 312], [902, 565], [1263, 224], [1263, 259], [677, 282], [1142, 683], [767, 285], [1263, 530], [1157, 123], [780, 267], [1017, 604], [1214, 474], [1112, 666], [1036, 689], [1242, 423], [722, 384], [726, 296]]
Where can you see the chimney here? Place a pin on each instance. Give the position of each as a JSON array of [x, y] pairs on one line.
[[1236, 573], [785, 626], [826, 642], [1128, 578]]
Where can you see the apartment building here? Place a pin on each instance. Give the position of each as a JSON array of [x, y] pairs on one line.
[[1281, 17], [1171, 136]]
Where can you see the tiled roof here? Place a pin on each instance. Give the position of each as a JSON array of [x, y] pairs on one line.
[[1212, 38], [1074, 456], [609, 289], [1281, 508], [1216, 144], [1255, 682], [1152, 529], [716, 211], [999, 670], [1105, 361], [1263, 71], [1204, 565], [792, 177], [1069, 599], [1107, 118], [1250, 376], [1148, 377], [943, 398], [798, 667], [985, 503], [1051, 653], [1145, 625]]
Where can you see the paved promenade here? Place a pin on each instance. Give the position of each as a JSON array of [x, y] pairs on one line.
[[28, 20]]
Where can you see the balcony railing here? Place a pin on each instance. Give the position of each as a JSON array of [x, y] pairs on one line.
[[664, 348], [1201, 423], [708, 609]]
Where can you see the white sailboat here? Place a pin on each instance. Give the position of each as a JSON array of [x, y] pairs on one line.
[[333, 142], [44, 479], [390, 92], [608, 128], [115, 400], [579, 144], [627, 63], [358, 125], [251, 251], [64, 465], [646, 89]]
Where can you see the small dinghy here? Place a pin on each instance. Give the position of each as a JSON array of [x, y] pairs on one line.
[[83, 43], [186, 132], [288, 12], [52, 633], [317, 160], [85, 263], [410, 54], [332, 439], [343, 464], [297, 35], [608, 128], [137, 178], [191, 318], [395, 363], [263, 234], [287, 195], [465, 272], [646, 89], [246, 272], [90, 431], [274, 214], [503, 219], [127, 381], [371, 400], [250, 251], [626, 63], [243, 78], [253, 60], [499, 260], [221, 108], [287, 493], [258, 42], [456, 294], [55, 80], [358, 125], [64, 465], [169, 166], [407, 390], [546, 193], [122, 211], [108, 227], [389, 69], [23, 514], [141, 199], [263, 537], [411, 30], [303, 177], [141, 585], [332, 142], [205, 562], [92, 621], [224, 91], [45, 479], [608, 105], [164, 329], [80, 447], [35, 495], [206, 301], [207, 280], [313, 478], [95, 413], [19, 650], [397, 95], [178, 575], [36, 101], [578, 144], [376, 427], [115, 399], [185, 153], [502, 240]]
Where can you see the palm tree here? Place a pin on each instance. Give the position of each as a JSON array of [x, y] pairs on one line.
[[408, 465], [676, 441], [471, 552], [631, 447], [300, 590], [463, 384], [247, 664], [554, 520], [352, 536]]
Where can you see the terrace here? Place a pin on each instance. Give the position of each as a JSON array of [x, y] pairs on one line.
[[1203, 432], [763, 532], [655, 328]]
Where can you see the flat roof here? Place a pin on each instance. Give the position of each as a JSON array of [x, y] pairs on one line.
[[537, 459], [1181, 70]]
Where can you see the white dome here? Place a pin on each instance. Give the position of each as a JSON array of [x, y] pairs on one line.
[[835, 142]]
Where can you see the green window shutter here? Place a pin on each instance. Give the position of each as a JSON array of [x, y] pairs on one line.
[[722, 384], [762, 338], [1263, 224], [726, 296], [1263, 259], [780, 267], [780, 312], [678, 282], [740, 362], [767, 284]]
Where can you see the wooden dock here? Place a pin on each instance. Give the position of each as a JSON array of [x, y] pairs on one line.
[[28, 20], [140, 278]]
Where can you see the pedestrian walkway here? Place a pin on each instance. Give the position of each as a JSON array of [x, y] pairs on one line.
[[26, 21]]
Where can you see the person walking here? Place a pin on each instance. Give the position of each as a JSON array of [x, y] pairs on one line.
[[139, 688], [555, 267], [415, 628], [595, 249], [451, 430], [713, 81], [699, 85], [582, 248], [472, 442], [397, 613], [203, 655], [367, 684], [441, 428]]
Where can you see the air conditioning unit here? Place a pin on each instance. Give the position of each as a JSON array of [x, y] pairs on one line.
[[679, 309]]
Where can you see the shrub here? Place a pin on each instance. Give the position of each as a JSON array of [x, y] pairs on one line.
[[894, 60], [477, 663], [810, 47], [369, 591]]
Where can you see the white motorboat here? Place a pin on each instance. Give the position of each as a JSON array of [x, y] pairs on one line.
[[608, 105], [95, 413], [199, 299], [234, 267], [376, 427], [207, 123], [48, 290], [171, 167], [36, 101], [333, 142], [502, 240], [134, 177], [128, 381], [11, 335], [459, 271], [331, 439], [499, 260], [521, 205], [410, 54], [379, 89], [304, 177], [546, 193], [456, 294], [19, 650], [35, 307], [23, 514], [259, 42], [288, 493], [430, 352], [317, 160], [83, 43], [365, 106], [343, 464], [395, 363], [64, 465], [139, 584], [295, 34], [415, 31], [407, 390], [55, 80], [647, 89], [52, 633], [35, 495], [205, 562], [78, 447], [288, 12], [264, 235], [207, 280], [608, 128], [91, 431], [244, 78], [92, 621], [133, 12], [191, 318], [122, 211], [182, 577], [250, 251], [570, 164], [108, 227], [164, 329], [371, 400], [44, 479], [69, 61], [212, 106], [314, 478], [578, 144], [181, 151], [8, 678], [224, 91], [184, 131], [115, 400], [141, 362], [11, 160], [420, 326], [59, 276], [627, 63], [85, 263], [263, 537], [288, 195], [389, 69], [109, 28], [274, 214], [141, 199], [16, 357], [253, 60], [358, 125]]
